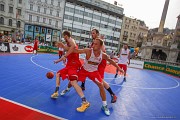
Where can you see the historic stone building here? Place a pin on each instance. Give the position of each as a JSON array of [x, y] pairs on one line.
[[161, 46]]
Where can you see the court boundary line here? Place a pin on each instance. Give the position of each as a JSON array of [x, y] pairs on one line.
[[31, 108], [150, 88]]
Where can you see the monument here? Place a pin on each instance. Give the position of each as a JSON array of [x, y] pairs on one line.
[[159, 45]]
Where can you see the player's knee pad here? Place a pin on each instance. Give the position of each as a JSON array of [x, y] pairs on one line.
[[73, 77]]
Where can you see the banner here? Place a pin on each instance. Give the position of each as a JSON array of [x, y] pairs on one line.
[[48, 38], [4, 47], [15, 48], [154, 66], [172, 70], [136, 64], [19, 48]]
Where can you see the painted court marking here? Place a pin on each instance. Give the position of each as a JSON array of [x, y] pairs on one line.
[[33, 109], [145, 88]]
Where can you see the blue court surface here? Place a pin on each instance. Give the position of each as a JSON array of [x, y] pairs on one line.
[[147, 95]]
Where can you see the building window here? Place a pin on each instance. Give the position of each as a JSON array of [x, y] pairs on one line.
[[57, 14], [18, 24], [44, 20], [96, 17], [10, 22], [51, 12], [45, 1], [10, 9], [59, 4], [20, 1], [31, 7], [52, 1], [30, 18], [1, 20], [19, 11], [44, 10], [39, 9], [56, 24], [50, 21], [37, 18], [1, 7]]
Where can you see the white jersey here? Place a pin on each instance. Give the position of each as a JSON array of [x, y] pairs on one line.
[[123, 59], [92, 63], [61, 49]]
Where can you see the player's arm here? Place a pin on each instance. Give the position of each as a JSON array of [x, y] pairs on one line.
[[129, 57], [81, 51], [111, 61], [71, 48], [119, 53]]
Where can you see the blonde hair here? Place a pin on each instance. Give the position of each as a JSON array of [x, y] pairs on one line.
[[101, 41]]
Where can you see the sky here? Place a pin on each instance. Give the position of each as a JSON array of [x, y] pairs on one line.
[[150, 11]]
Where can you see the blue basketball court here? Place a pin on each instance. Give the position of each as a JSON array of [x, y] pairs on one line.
[[147, 95]]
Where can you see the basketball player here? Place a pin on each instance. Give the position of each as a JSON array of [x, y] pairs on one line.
[[124, 59], [101, 69], [93, 59], [70, 71], [36, 44]]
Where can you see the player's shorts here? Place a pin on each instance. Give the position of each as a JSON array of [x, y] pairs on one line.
[[69, 72], [94, 76], [101, 68], [35, 48], [60, 52], [123, 66]]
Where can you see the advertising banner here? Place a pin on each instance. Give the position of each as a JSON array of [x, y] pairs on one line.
[[19, 48], [154, 66], [48, 38], [172, 70], [4, 47], [136, 64], [15, 48]]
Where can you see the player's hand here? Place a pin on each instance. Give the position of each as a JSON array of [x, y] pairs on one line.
[[56, 61], [64, 61]]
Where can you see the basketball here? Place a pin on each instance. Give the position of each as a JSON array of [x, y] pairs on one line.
[[50, 75]]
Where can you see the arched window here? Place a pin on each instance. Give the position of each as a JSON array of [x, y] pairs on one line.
[[2, 20], [18, 24], [10, 22]]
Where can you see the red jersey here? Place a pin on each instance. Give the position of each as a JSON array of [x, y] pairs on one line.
[[35, 45], [73, 59]]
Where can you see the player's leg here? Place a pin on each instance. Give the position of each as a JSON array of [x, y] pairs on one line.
[[125, 69], [66, 90], [61, 73], [108, 88], [73, 80], [103, 97], [95, 76], [83, 85], [101, 70], [56, 94], [116, 73]]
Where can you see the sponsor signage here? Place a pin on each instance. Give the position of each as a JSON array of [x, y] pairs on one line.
[[4, 47], [15, 48], [136, 64], [172, 70], [19, 48], [154, 66], [48, 37], [28, 48]]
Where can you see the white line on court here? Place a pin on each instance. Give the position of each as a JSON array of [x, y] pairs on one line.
[[144, 88]]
